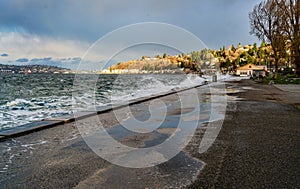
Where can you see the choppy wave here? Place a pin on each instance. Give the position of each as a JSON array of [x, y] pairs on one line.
[[54, 99], [22, 111]]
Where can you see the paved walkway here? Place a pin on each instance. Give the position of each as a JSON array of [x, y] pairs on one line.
[[290, 88]]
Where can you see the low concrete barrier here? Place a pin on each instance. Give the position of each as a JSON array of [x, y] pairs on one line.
[[28, 128]]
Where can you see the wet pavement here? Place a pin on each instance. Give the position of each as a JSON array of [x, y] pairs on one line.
[[289, 88]]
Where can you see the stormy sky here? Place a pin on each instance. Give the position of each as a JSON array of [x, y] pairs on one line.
[[59, 32]]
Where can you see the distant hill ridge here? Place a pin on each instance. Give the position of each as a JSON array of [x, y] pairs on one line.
[[5, 68]]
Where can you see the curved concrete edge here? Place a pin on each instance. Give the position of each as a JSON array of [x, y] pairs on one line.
[[52, 122], [28, 128]]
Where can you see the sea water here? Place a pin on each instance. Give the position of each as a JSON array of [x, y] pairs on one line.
[[33, 97]]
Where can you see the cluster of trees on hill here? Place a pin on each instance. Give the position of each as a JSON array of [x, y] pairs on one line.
[[233, 57]]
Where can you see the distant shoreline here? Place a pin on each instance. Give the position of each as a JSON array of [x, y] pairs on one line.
[[28, 69]]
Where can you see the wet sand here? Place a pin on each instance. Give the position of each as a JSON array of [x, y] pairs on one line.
[[258, 146]]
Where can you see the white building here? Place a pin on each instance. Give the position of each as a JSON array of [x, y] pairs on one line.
[[251, 70]]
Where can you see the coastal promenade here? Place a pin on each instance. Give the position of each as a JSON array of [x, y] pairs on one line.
[[258, 147]]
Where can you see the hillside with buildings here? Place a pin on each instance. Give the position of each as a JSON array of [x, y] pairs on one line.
[[228, 60], [234, 57], [30, 69]]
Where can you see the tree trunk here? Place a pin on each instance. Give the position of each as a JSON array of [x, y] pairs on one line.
[[297, 37], [276, 68], [297, 60]]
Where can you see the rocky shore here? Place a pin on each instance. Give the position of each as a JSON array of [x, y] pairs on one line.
[[258, 147]]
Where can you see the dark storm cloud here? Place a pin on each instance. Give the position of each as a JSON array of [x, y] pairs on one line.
[[70, 63], [40, 59], [76, 59], [22, 60]]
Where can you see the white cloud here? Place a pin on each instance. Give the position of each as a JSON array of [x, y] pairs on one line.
[[19, 45]]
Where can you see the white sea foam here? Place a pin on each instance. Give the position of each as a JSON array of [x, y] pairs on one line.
[[21, 111]]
